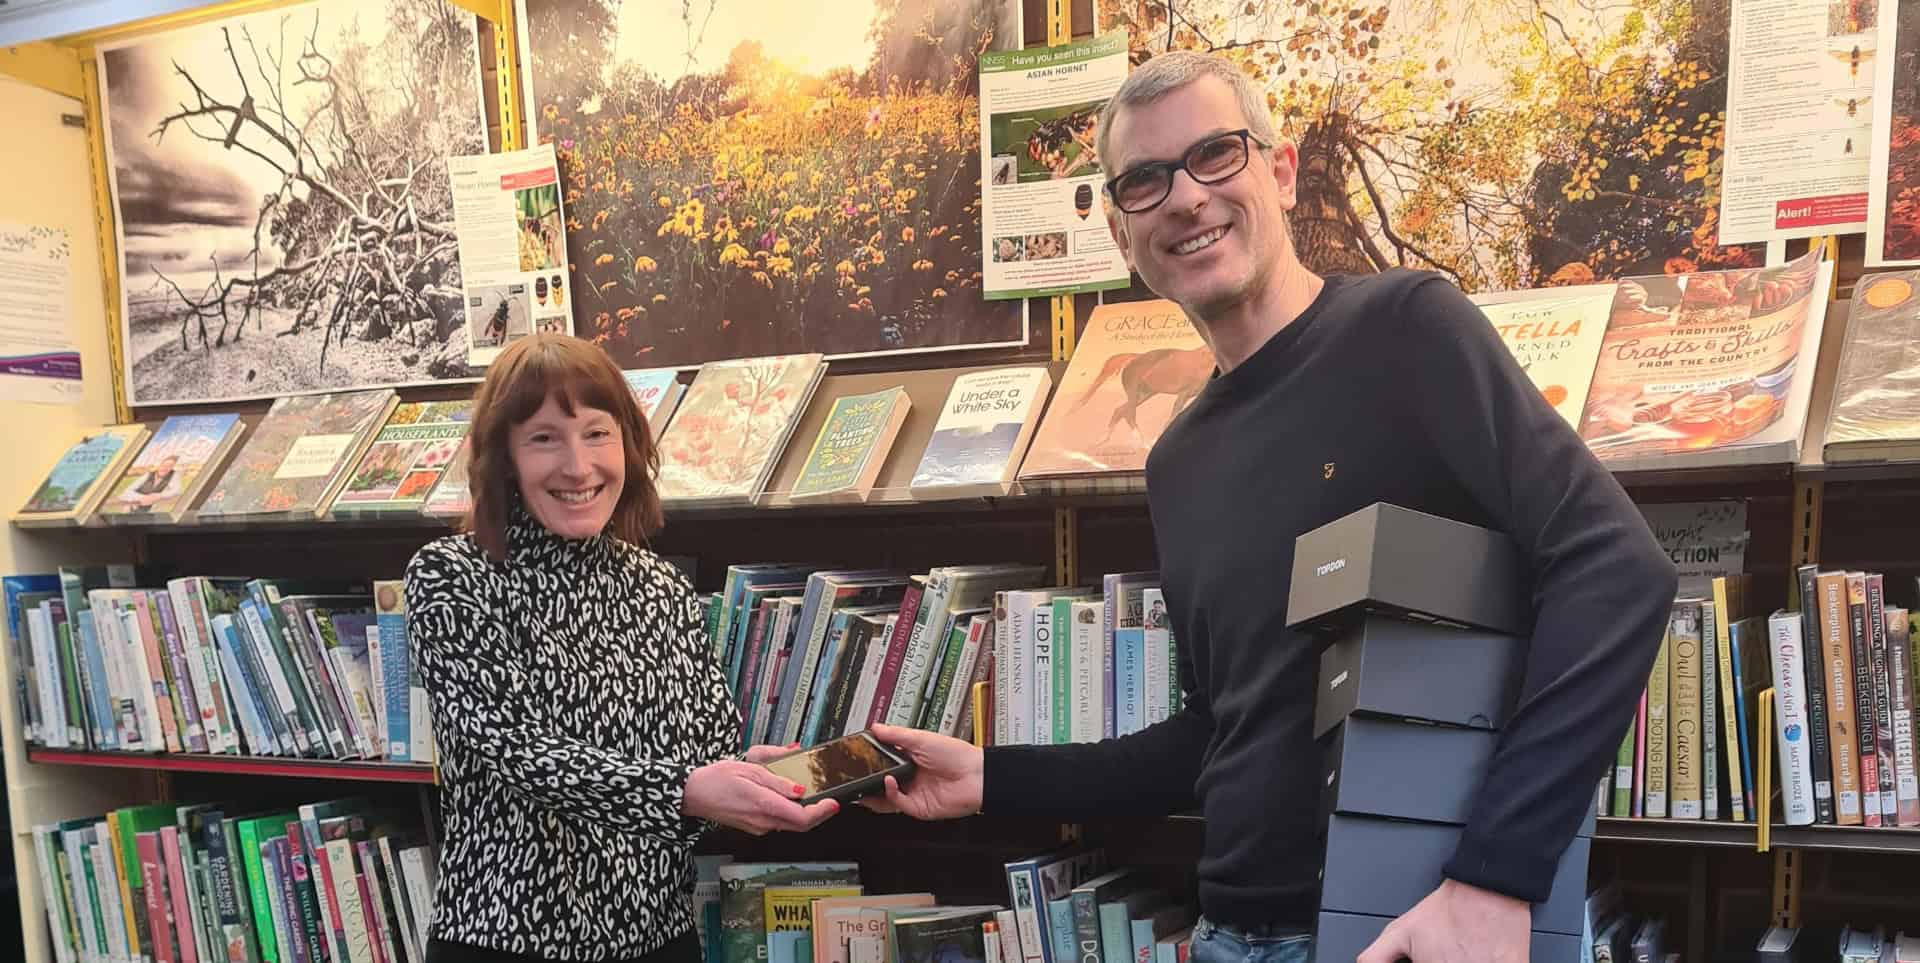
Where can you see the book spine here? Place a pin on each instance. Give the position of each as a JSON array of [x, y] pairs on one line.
[[1015, 673], [1062, 730], [1002, 681], [1657, 729], [1882, 701], [79, 706], [278, 694], [159, 669], [923, 642], [1639, 797], [1790, 721], [1863, 709], [186, 689], [1900, 679], [1819, 753], [1113, 593], [1160, 674], [282, 654], [1709, 712], [1092, 670], [875, 662], [979, 637], [1729, 703], [1622, 803], [190, 604], [398, 659], [1837, 645], [1042, 682], [910, 605], [1683, 712]]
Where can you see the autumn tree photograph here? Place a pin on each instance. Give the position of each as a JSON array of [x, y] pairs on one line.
[[1899, 237], [745, 178], [1502, 143]]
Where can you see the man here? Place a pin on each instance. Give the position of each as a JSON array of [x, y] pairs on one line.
[[1329, 395]]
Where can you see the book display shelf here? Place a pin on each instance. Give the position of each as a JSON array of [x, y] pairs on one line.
[[1718, 881]]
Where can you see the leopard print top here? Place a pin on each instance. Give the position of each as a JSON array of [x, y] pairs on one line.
[[573, 690]]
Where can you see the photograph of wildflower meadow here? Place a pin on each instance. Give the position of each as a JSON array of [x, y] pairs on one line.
[[755, 177]]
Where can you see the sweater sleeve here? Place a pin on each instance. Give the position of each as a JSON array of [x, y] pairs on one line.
[[484, 703], [1602, 588], [714, 717], [1146, 773]]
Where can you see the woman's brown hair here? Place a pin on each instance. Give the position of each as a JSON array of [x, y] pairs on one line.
[[573, 373]]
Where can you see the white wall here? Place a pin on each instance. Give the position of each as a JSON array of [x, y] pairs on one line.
[[45, 178]]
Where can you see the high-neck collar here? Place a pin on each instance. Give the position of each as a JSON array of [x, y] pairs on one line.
[[531, 543]]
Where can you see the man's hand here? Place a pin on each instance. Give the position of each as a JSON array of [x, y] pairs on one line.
[[947, 777], [1457, 923]]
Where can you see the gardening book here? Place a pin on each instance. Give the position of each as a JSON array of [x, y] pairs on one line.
[[658, 394], [450, 498], [173, 468], [1876, 393], [299, 455], [852, 445], [732, 426], [406, 460], [75, 484], [982, 433]]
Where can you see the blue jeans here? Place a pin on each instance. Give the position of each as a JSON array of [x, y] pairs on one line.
[[1215, 943]]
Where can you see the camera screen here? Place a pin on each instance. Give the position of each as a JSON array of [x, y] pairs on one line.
[[833, 764]]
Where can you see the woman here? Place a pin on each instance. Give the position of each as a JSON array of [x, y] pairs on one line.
[[585, 729]]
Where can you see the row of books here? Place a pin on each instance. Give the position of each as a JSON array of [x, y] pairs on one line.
[[227, 666], [1062, 905], [982, 652], [1842, 944], [326, 882], [1842, 671]]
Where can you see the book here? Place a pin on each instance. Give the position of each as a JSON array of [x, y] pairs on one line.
[[1865, 729], [172, 469], [299, 455], [1790, 718], [1820, 754], [1556, 340], [1683, 710], [733, 423], [450, 497], [658, 392], [1876, 407], [1137, 365], [1900, 677], [1843, 743], [73, 487], [1658, 733], [1882, 700], [1665, 393], [982, 433], [406, 460], [853, 443]]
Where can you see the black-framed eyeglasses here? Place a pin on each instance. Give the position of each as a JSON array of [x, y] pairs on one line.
[[1215, 159]]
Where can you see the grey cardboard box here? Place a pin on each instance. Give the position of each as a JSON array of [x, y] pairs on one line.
[[1406, 770], [1396, 561], [1389, 667], [1340, 937], [1382, 867]]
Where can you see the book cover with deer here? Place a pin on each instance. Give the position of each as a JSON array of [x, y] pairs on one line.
[[1136, 367], [1557, 342]]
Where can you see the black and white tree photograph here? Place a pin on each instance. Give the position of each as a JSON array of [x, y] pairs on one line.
[[281, 196]]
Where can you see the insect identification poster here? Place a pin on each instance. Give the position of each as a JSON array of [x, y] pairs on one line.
[[513, 247]]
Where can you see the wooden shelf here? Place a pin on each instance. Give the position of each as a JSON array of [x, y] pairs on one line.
[[1683, 832], [240, 765]]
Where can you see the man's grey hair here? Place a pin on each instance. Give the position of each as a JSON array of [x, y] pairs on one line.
[[1173, 70]]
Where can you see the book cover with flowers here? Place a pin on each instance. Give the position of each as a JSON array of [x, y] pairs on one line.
[[407, 458], [733, 423], [450, 498], [173, 468], [853, 443], [298, 455]]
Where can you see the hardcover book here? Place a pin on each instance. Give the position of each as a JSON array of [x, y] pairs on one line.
[[1136, 367], [732, 426], [1876, 400], [172, 469], [1557, 342], [658, 392], [1709, 368], [299, 455], [75, 484], [450, 498], [982, 433], [852, 445], [407, 459]]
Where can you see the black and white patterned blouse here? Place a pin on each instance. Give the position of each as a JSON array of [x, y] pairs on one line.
[[573, 690]]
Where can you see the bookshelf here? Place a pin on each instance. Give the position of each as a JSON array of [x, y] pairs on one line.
[[266, 767]]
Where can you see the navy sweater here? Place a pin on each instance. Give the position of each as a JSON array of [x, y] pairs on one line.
[[1388, 388]]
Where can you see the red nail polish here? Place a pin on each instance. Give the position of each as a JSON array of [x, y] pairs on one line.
[[799, 791]]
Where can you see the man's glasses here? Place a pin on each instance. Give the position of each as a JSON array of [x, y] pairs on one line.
[[1208, 162]]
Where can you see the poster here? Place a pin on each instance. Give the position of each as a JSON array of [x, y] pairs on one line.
[[1799, 118], [1502, 145], [1704, 539], [513, 248], [1706, 361], [281, 199], [762, 177], [1893, 208], [1044, 211], [38, 360]]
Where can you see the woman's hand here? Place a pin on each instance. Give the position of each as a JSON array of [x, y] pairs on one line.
[[749, 797]]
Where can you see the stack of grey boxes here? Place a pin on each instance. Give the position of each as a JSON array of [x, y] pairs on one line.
[[1422, 623]]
